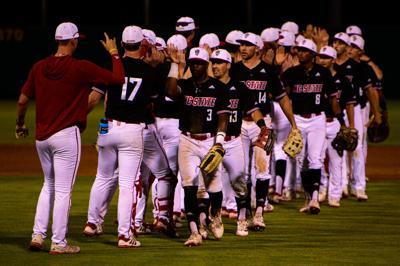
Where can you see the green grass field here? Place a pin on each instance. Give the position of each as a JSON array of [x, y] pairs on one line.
[[355, 234]]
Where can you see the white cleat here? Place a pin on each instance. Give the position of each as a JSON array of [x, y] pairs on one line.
[[305, 208], [217, 227], [128, 242], [269, 208], [242, 228], [195, 239], [57, 249], [258, 222], [361, 196], [37, 243], [92, 229], [203, 231], [334, 203]]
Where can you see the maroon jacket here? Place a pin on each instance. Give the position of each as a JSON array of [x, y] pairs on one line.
[[61, 86]]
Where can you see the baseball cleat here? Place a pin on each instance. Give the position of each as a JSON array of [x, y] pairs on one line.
[[92, 229], [305, 208], [194, 240], [334, 203], [37, 243], [258, 222], [166, 227], [269, 208], [128, 242], [203, 231], [217, 227], [142, 229], [314, 207], [233, 215], [322, 195], [361, 196], [241, 229], [57, 249]]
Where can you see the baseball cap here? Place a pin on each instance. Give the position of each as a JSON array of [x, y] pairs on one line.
[[286, 38], [221, 55], [342, 37], [249, 37], [270, 34], [328, 51], [353, 30], [233, 36], [308, 44], [290, 26], [66, 31], [178, 41], [211, 39], [149, 35], [185, 24], [198, 53], [160, 44], [132, 34], [299, 39], [358, 41]]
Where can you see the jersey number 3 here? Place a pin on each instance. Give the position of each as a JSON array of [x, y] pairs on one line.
[[130, 82]]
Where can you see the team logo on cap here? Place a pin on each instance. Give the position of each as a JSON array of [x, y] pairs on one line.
[[197, 51], [217, 52], [246, 35]]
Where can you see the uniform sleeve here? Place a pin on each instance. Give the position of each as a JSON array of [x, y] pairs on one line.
[[98, 76], [348, 94], [330, 87], [276, 85], [29, 87]]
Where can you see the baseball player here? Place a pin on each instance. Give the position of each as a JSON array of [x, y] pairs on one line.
[[232, 46], [203, 121], [262, 80], [61, 86], [347, 99], [308, 83], [362, 82], [233, 161]]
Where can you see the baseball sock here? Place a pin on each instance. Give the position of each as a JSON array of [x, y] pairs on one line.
[[280, 170], [215, 202], [261, 194], [248, 201], [315, 177], [204, 206], [306, 179], [241, 207], [191, 207]]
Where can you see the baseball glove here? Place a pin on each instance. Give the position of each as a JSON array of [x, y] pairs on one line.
[[21, 132], [212, 159], [293, 144], [346, 139], [265, 140]]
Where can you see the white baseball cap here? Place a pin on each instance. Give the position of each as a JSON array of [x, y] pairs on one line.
[[290, 26], [198, 53], [185, 24], [328, 51], [221, 54], [132, 34], [353, 30], [287, 38], [211, 39], [342, 37], [249, 37], [160, 44], [178, 41], [66, 31], [270, 34], [358, 41], [149, 35], [308, 44], [299, 39], [233, 36]]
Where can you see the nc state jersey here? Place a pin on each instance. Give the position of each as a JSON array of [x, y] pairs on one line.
[[308, 90], [345, 93], [201, 104], [241, 102], [262, 81]]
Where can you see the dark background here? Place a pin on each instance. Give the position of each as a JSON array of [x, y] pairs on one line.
[[27, 27]]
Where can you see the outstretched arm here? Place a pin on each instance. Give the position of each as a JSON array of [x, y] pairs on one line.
[[286, 106]]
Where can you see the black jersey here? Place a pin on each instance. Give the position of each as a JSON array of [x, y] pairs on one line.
[[308, 90], [131, 102], [201, 104], [241, 102], [345, 93], [262, 81], [358, 77], [371, 79], [164, 106]]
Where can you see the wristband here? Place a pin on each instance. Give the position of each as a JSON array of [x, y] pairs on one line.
[[173, 71], [261, 123], [112, 50], [220, 138]]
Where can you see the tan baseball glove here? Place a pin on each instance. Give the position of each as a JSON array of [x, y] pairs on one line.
[[293, 144], [212, 159]]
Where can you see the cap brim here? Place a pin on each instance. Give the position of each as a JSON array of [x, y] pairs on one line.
[[246, 42], [197, 59], [219, 60]]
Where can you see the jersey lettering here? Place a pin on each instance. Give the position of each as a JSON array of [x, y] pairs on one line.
[[307, 88], [200, 101], [136, 82], [258, 85], [233, 103]]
